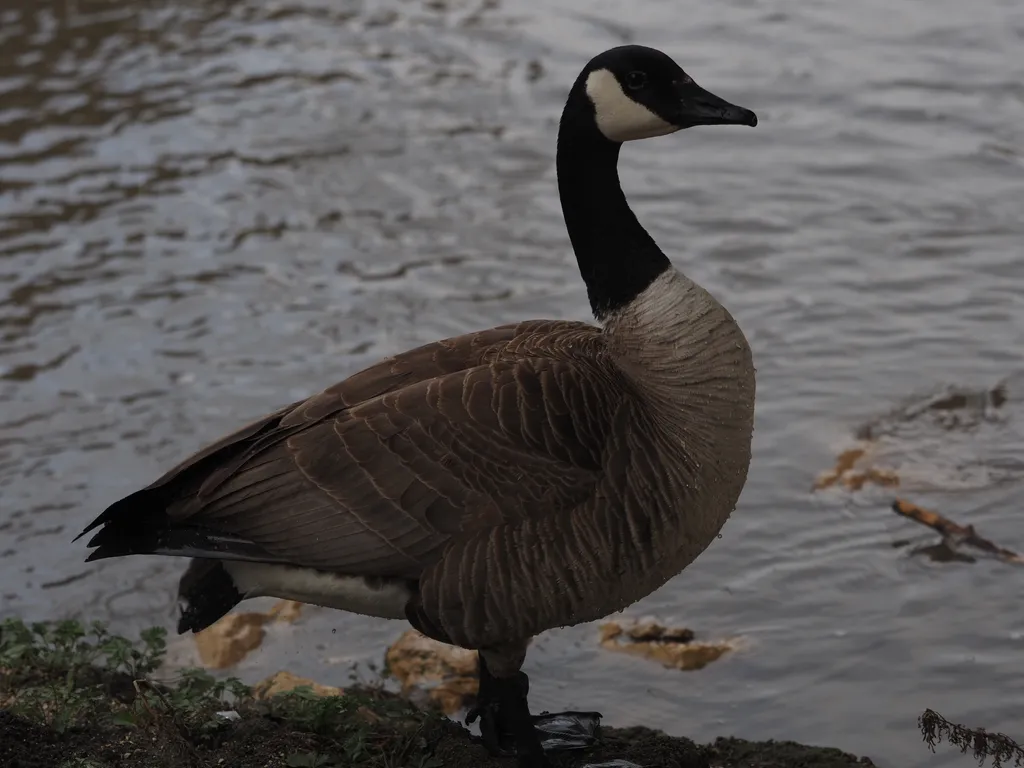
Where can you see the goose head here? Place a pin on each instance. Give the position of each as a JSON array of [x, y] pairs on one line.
[[637, 92]]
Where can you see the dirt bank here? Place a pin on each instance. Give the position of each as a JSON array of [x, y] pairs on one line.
[[76, 697], [265, 742]]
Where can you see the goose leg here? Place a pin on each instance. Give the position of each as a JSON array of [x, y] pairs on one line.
[[506, 726]]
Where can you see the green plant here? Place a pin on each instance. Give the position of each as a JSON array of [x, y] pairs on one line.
[[197, 689], [355, 745], [68, 675], [191, 702], [69, 647], [318, 714], [58, 673], [55, 671], [122, 655]]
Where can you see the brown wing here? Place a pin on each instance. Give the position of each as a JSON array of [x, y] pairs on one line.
[[379, 488], [391, 373], [376, 474]]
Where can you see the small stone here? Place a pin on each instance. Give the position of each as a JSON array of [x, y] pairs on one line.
[[672, 647], [447, 673], [285, 610], [229, 640], [285, 681]]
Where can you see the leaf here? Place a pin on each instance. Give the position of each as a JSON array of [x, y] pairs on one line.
[[237, 688], [15, 651], [125, 719], [154, 638], [68, 631]]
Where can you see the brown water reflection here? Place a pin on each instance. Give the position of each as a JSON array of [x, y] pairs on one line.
[[208, 208]]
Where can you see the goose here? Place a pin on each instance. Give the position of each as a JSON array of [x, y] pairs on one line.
[[494, 485]]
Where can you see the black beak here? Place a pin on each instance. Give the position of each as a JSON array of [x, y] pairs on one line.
[[700, 107]]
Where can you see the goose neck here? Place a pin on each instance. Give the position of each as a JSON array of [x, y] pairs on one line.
[[617, 257]]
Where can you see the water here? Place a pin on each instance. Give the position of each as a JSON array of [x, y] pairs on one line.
[[211, 208]]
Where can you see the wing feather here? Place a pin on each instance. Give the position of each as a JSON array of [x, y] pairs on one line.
[[379, 473]]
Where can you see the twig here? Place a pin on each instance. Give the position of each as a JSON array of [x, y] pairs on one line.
[[178, 725], [953, 533], [142, 697], [1001, 748]]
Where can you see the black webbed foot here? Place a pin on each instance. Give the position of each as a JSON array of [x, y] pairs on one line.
[[506, 727]]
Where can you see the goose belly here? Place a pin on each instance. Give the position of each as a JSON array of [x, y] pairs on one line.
[[370, 596]]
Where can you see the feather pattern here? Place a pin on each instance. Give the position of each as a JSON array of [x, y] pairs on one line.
[[503, 482], [509, 471]]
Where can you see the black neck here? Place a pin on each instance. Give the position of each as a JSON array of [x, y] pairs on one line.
[[616, 256]]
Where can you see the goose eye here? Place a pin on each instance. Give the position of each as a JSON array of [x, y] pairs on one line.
[[635, 80]]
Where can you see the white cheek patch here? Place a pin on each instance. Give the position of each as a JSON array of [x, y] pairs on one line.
[[618, 117]]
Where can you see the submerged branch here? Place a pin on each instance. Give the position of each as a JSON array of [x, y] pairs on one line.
[[1002, 749], [953, 534]]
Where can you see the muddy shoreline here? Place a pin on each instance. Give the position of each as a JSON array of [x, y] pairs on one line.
[[77, 696], [262, 741]]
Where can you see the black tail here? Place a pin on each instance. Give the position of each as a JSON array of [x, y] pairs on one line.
[[138, 525], [139, 511], [206, 592], [179, 541]]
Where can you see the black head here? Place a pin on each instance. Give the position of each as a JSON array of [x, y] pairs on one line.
[[639, 92]]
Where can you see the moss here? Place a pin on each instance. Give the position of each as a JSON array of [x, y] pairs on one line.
[[77, 697]]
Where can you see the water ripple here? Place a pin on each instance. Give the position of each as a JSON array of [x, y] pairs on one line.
[[210, 208]]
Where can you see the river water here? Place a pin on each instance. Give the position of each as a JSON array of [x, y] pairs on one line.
[[210, 208]]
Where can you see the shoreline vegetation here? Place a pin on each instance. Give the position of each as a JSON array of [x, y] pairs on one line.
[[77, 696]]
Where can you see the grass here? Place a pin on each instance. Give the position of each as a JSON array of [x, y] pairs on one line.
[[76, 680], [77, 696]]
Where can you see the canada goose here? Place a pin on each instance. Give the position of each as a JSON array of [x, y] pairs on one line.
[[491, 486]]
